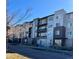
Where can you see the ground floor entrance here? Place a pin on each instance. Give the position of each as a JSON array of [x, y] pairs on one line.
[[59, 42]]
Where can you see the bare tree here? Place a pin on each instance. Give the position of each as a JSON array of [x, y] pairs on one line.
[[10, 18], [26, 16]]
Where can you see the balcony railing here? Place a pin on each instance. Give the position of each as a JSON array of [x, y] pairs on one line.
[[43, 24], [42, 30]]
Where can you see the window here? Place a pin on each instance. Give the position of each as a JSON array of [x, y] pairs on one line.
[[70, 33], [43, 27], [36, 23], [50, 18], [40, 42], [57, 32], [35, 34], [57, 24], [50, 26], [50, 42], [26, 33], [69, 25], [58, 43], [42, 34], [70, 16], [56, 17], [35, 28], [43, 21]]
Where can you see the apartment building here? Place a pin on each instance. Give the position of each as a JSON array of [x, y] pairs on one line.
[[10, 32], [54, 30], [20, 32]]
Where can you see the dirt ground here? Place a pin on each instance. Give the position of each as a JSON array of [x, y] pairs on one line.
[[15, 56]]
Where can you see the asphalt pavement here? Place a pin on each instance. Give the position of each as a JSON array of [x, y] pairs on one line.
[[36, 54]]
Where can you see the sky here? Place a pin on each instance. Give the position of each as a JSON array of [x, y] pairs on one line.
[[39, 8]]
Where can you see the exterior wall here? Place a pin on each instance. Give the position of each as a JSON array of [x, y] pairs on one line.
[[18, 31], [58, 27], [63, 19], [69, 29], [34, 28], [42, 42], [50, 30], [59, 17], [10, 32], [25, 29]]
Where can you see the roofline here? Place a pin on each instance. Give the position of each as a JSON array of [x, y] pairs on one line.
[[70, 13], [46, 16], [40, 18]]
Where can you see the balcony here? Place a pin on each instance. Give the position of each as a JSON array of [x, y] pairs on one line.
[[59, 32], [42, 30], [42, 37], [42, 24]]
